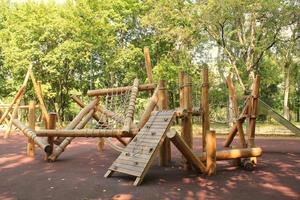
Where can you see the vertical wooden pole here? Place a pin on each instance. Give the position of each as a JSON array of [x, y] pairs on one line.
[[181, 76], [165, 150], [31, 121], [187, 129], [51, 125], [148, 64], [211, 146], [253, 111], [205, 107]]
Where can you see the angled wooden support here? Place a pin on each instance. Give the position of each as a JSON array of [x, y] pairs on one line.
[[238, 123], [98, 118], [233, 131], [63, 145], [186, 151], [149, 108], [78, 118], [131, 108], [16, 101], [38, 92]]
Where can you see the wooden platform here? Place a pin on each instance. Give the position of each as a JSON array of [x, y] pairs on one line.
[[137, 157]]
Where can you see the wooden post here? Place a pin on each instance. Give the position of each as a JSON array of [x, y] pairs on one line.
[[238, 122], [187, 129], [165, 149], [148, 64], [211, 148], [52, 125], [131, 108], [253, 112], [31, 121], [205, 107]]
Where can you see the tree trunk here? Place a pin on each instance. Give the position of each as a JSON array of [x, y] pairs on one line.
[[286, 113]]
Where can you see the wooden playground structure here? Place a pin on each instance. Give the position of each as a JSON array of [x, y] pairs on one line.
[[151, 134]]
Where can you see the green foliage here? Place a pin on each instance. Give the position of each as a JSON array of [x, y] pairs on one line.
[[88, 44]]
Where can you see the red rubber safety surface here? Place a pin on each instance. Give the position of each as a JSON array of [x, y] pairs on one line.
[[78, 174]]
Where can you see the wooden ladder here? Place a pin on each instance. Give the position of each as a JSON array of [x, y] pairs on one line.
[[138, 155]]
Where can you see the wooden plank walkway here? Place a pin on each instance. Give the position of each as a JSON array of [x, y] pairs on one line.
[[138, 155]]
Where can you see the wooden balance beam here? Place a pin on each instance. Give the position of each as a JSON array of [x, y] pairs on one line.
[[234, 153], [112, 91], [83, 133]]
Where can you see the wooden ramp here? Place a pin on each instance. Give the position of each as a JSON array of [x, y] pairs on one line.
[[138, 155]]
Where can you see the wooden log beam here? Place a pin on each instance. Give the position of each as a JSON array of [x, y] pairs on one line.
[[32, 135], [234, 154], [112, 91], [186, 151], [180, 112], [211, 148], [31, 121], [84, 133], [6, 106], [131, 107]]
